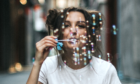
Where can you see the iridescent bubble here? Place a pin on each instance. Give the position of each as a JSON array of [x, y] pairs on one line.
[[33, 59], [108, 57], [114, 30], [99, 56]]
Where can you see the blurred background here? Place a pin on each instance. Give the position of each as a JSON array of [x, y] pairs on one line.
[[22, 24]]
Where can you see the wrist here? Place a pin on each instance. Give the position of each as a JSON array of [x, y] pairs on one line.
[[36, 63]]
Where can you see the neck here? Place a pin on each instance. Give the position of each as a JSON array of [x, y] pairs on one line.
[[68, 57]]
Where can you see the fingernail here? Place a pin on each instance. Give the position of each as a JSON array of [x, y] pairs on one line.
[[56, 40], [55, 37]]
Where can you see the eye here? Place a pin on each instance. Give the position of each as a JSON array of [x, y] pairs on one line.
[[81, 26], [67, 26]]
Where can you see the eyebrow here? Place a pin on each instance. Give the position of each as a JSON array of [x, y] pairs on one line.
[[78, 21]]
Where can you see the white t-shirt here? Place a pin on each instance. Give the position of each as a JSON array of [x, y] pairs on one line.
[[97, 72]]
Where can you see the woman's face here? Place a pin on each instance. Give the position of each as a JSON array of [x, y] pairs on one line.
[[75, 28]]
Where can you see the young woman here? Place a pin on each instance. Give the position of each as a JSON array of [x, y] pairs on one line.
[[77, 34]]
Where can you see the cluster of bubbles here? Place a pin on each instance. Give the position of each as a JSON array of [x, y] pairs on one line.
[[86, 53], [114, 30], [86, 39]]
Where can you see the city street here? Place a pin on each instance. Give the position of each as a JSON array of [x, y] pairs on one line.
[[107, 29], [15, 78], [21, 77]]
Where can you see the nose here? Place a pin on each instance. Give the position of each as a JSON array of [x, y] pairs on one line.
[[73, 31]]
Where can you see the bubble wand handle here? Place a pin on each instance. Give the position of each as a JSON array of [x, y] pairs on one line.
[[64, 40]]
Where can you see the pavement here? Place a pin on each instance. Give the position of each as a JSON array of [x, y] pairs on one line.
[[21, 77], [15, 78]]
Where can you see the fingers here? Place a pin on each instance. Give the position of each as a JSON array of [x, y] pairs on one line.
[[47, 41], [41, 48], [51, 38]]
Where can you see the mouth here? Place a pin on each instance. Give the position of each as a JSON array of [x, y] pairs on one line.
[[73, 40]]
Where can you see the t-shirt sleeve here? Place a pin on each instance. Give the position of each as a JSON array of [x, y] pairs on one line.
[[111, 76], [42, 74]]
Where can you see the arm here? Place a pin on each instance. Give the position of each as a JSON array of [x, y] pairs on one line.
[[40, 56], [33, 78]]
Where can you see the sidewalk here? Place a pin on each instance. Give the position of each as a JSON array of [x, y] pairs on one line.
[[21, 77], [15, 78]]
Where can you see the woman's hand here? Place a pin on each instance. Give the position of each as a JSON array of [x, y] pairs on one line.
[[43, 48]]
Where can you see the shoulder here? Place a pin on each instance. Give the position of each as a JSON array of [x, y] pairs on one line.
[[102, 66], [100, 62], [106, 70], [51, 59], [50, 64]]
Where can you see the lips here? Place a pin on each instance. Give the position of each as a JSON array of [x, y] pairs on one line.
[[73, 39]]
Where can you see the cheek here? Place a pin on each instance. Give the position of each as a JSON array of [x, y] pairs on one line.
[[66, 33], [81, 31]]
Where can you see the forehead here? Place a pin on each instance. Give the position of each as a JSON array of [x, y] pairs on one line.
[[75, 16]]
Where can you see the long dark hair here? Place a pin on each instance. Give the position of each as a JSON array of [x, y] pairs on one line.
[[54, 20]]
